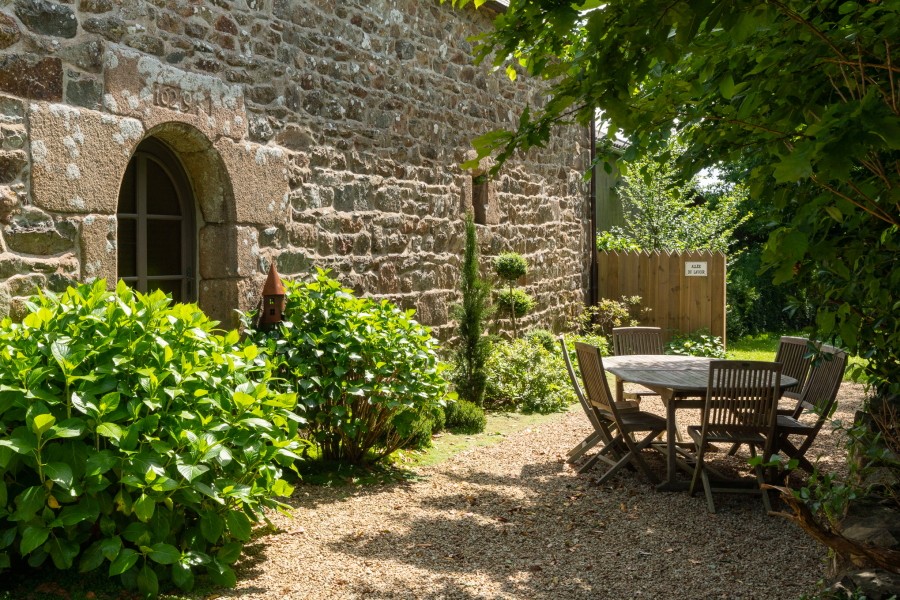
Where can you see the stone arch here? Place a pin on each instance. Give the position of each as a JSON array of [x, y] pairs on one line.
[[219, 275]]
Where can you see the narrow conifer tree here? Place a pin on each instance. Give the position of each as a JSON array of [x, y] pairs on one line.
[[473, 346]]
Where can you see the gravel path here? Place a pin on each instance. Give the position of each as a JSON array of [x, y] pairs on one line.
[[514, 521]]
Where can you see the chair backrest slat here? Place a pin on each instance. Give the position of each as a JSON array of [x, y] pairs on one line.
[[795, 355], [588, 409], [637, 340], [594, 376], [742, 396], [824, 381]]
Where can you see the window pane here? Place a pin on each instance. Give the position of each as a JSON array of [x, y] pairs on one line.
[[126, 245], [127, 192], [162, 199], [169, 286], [163, 247]]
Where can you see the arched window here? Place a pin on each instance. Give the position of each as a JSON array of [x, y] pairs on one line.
[[155, 237]]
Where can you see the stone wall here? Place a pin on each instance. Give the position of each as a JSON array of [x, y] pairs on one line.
[[314, 133]]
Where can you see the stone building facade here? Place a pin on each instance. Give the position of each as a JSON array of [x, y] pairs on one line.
[[306, 132]]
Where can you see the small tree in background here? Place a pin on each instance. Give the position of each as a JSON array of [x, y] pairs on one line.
[[474, 347], [513, 301]]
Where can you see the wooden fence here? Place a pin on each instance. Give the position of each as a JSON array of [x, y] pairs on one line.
[[684, 291]]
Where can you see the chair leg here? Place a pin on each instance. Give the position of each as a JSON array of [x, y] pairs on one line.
[[583, 446], [707, 489]]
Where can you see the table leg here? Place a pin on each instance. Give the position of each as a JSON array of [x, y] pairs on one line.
[[620, 391], [670, 484]]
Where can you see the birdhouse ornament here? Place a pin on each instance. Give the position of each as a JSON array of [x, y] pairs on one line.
[[272, 311]]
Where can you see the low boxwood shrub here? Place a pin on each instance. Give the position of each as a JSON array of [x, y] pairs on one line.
[[364, 370], [465, 417], [135, 438], [524, 375]]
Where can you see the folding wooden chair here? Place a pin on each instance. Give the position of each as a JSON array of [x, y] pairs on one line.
[[602, 422], [636, 340], [741, 408], [627, 420], [816, 404], [795, 354]]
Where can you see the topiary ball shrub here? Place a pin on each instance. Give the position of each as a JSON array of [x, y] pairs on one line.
[[135, 438], [514, 301], [510, 266], [544, 337], [524, 375], [365, 371], [465, 417]]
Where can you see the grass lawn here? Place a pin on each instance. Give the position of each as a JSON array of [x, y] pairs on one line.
[[764, 345]]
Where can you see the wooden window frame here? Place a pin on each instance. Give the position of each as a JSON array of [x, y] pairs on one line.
[[165, 159]]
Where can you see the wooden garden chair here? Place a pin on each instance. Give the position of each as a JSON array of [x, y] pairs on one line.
[[815, 405], [795, 355], [602, 422], [636, 340], [741, 408], [628, 419]]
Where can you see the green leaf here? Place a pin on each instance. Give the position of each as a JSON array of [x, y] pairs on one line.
[[190, 472], [164, 554], [33, 537], [110, 430], [91, 558], [835, 213], [212, 526], [100, 463], [42, 423], [230, 552], [87, 509], [123, 562], [59, 472], [20, 442], [144, 507], [222, 574], [238, 524], [70, 428], [63, 552], [183, 577], [726, 87], [147, 582], [282, 488]]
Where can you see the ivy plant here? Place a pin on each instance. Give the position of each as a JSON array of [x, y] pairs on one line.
[[135, 438]]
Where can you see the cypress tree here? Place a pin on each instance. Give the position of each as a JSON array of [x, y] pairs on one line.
[[473, 346]]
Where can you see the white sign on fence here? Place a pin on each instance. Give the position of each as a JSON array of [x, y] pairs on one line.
[[695, 269]]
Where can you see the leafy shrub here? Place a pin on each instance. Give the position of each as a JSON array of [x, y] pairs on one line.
[[524, 375], [510, 266], [465, 417], [600, 318], [698, 343], [134, 435], [611, 242], [514, 301], [429, 422], [543, 337], [364, 370]]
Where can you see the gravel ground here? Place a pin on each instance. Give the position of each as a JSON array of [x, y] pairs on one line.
[[514, 521]]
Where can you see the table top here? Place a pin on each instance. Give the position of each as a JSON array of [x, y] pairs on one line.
[[685, 375]]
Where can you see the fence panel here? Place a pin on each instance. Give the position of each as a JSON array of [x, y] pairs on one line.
[[684, 291]]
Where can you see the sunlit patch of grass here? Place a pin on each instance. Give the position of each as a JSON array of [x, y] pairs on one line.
[[764, 345]]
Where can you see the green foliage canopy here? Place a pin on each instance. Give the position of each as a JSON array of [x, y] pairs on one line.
[[808, 89], [135, 438]]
